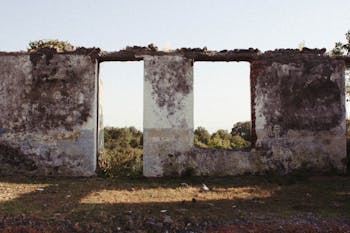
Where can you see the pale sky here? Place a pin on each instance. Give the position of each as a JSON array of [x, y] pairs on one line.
[[221, 89]]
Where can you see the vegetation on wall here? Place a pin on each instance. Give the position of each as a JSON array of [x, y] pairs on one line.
[[60, 46]]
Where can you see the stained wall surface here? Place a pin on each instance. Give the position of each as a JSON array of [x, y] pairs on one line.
[[48, 114], [298, 118], [300, 111], [168, 110], [51, 121]]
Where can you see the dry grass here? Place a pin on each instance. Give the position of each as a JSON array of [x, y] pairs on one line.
[[11, 191], [171, 195], [126, 203]]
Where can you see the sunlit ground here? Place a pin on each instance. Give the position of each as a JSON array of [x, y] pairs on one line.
[[11, 191], [167, 195], [123, 203]]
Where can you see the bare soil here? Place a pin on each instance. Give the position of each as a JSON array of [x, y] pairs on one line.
[[233, 204]]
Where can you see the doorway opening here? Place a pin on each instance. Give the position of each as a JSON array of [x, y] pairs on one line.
[[120, 136]]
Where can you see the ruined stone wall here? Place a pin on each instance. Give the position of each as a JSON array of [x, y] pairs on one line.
[[298, 117], [48, 114], [300, 111], [51, 121], [168, 110]]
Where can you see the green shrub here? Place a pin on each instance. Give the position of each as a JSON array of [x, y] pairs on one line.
[[242, 129], [123, 162], [239, 142], [122, 155], [201, 136], [221, 139]]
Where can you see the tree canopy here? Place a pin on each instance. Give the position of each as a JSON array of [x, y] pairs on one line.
[[342, 48], [242, 129], [222, 139]]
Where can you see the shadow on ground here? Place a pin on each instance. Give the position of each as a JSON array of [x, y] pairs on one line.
[[156, 205]]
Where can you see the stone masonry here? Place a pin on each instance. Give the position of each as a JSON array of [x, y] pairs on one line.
[[51, 119]]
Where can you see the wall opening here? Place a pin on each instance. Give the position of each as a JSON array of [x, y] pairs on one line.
[[222, 106], [121, 111]]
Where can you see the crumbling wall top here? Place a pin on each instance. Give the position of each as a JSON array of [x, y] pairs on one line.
[[92, 52], [137, 53]]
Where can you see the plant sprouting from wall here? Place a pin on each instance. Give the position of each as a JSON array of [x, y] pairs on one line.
[[60, 46]]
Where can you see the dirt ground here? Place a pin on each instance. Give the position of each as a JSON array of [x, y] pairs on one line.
[[232, 204]]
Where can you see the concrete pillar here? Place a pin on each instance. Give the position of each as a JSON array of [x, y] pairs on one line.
[[168, 110]]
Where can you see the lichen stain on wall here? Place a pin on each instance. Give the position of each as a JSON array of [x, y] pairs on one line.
[[170, 83], [48, 106], [60, 94], [299, 109], [305, 97], [48, 114]]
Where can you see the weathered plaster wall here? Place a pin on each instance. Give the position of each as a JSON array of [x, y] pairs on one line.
[[49, 122], [48, 114], [298, 109], [100, 127], [168, 110]]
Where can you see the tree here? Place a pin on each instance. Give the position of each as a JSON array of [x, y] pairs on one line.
[[122, 138], [340, 48], [122, 155], [60, 46], [220, 140], [223, 134], [201, 137], [239, 142], [344, 49], [242, 129]]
